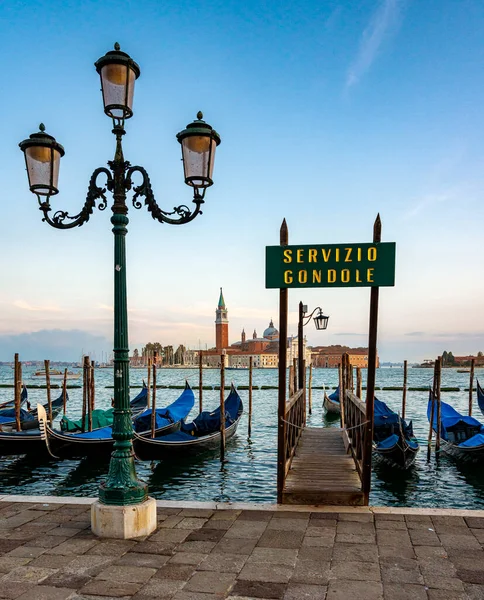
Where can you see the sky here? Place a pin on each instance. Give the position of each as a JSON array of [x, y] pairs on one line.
[[329, 112]]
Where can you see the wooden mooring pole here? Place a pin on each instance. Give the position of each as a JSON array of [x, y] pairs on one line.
[[17, 392], [148, 398], [88, 395], [47, 385], [200, 381], [471, 385], [281, 425], [371, 380], [310, 389], [404, 395], [64, 392], [437, 390], [84, 393], [250, 397], [93, 388], [222, 408], [359, 384], [432, 413], [153, 400]]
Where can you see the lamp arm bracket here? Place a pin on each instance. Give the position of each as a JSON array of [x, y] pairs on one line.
[[62, 220], [310, 316], [185, 215]]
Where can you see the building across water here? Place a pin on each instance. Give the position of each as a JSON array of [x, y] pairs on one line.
[[264, 349], [330, 356]]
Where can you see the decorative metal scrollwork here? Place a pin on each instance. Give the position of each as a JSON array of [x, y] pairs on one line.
[[94, 193], [145, 190]]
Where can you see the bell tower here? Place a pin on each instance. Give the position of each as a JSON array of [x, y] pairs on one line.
[[221, 324]]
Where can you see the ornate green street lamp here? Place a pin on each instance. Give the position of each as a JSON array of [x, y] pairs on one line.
[[198, 141]]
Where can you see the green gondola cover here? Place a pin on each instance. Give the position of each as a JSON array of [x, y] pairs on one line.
[[100, 418]]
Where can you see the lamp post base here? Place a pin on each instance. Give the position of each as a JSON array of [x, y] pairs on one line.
[[123, 522]]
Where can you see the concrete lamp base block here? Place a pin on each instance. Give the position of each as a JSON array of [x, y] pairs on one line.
[[123, 522]]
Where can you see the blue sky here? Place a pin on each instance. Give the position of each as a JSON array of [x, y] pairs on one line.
[[329, 112]]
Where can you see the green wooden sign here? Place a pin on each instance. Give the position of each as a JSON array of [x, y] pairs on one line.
[[331, 265]]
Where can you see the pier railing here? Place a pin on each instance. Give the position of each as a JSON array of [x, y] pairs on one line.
[[355, 429], [294, 417]]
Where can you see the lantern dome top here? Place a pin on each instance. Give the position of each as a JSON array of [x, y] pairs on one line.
[[198, 127], [41, 138], [117, 57]]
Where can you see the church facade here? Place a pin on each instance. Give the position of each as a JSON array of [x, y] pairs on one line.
[[263, 350]]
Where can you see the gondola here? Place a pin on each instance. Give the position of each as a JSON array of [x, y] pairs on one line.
[[104, 418], [331, 402], [11, 403], [393, 441], [203, 433], [480, 397], [28, 440], [100, 441], [460, 436]]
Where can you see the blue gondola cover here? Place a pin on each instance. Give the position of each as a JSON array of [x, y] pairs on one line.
[[177, 411]]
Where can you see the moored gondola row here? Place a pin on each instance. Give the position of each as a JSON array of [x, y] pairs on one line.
[[394, 443]]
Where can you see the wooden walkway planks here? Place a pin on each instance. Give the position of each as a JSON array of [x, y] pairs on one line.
[[322, 472]]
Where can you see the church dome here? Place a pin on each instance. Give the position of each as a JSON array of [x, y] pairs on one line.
[[271, 332]]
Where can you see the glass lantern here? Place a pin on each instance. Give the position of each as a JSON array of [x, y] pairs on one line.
[[42, 158], [198, 141], [118, 72]]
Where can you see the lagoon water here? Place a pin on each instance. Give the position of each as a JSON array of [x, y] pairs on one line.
[[250, 471]]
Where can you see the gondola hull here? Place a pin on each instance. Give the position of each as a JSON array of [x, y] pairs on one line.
[[22, 442], [147, 448], [74, 445], [400, 455], [468, 455], [331, 406]]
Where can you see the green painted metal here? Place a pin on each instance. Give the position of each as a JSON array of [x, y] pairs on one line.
[[122, 486], [331, 265]]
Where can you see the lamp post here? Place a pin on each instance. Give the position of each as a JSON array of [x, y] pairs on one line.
[[320, 322], [198, 141]]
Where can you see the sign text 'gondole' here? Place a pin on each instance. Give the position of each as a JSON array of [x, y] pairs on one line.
[[331, 265]]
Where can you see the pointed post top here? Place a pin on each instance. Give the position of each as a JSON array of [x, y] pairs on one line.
[[284, 239], [221, 301], [377, 229]]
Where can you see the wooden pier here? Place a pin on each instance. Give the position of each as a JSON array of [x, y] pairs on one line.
[[322, 471]]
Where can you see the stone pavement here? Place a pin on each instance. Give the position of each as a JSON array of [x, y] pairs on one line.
[[47, 551]]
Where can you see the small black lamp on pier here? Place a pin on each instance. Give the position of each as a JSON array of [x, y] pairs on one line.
[[320, 322], [118, 73]]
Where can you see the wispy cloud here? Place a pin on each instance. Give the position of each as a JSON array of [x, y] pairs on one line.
[[35, 308], [382, 23], [427, 201], [415, 333]]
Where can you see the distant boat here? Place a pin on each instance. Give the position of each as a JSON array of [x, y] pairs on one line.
[[331, 402], [461, 436], [56, 374]]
